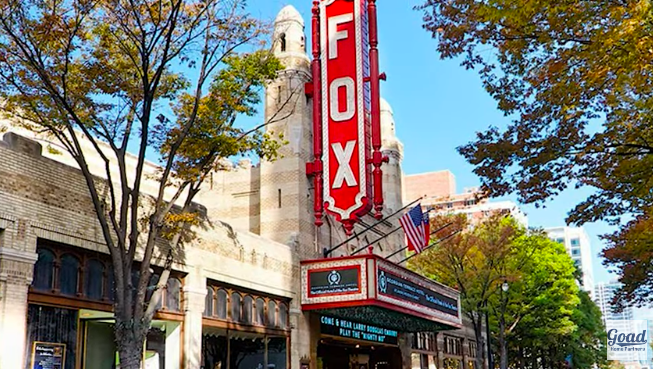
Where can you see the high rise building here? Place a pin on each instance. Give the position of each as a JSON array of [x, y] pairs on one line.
[[438, 191], [621, 321], [603, 295], [577, 243]]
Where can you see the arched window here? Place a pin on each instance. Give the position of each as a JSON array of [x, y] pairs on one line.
[[235, 307], [208, 302], [93, 279], [248, 303], [68, 275], [43, 270], [259, 316], [283, 316], [173, 294], [282, 39], [221, 304], [272, 313]]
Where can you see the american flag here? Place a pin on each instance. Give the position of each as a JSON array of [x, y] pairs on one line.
[[413, 223]]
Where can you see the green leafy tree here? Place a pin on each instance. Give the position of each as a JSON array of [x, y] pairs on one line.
[[540, 298], [574, 77], [122, 74], [468, 262]]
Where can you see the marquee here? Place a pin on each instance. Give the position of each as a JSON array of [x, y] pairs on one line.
[[374, 290]]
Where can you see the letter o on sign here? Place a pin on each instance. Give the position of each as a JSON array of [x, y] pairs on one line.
[[337, 114]]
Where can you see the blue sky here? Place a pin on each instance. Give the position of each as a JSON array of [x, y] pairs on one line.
[[438, 106]]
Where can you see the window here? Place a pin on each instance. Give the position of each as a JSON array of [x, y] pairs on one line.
[[43, 270], [282, 40], [575, 252], [235, 307], [560, 240], [272, 313], [283, 316], [221, 304], [472, 349], [228, 303], [259, 317], [93, 279], [575, 242], [208, 302], [68, 275], [453, 346], [75, 272], [173, 295], [248, 303]]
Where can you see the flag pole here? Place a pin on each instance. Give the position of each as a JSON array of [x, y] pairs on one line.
[[384, 236], [430, 234], [431, 245], [326, 251], [375, 241]]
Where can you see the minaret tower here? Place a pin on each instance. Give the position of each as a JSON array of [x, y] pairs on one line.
[[394, 150], [286, 206]]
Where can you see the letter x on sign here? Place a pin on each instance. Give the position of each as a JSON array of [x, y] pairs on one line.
[[343, 156]]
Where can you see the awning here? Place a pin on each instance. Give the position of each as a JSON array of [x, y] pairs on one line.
[[371, 290]]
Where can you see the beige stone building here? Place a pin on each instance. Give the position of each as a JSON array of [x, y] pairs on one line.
[[251, 291]]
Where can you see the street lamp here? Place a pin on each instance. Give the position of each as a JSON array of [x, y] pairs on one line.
[[502, 327]]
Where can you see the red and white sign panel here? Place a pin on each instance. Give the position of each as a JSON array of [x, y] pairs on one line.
[[344, 109]]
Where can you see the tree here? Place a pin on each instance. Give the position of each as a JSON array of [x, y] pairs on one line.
[[575, 79], [540, 297], [122, 73], [469, 262]]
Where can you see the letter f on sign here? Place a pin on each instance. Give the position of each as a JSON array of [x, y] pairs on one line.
[[335, 35], [343, 156]]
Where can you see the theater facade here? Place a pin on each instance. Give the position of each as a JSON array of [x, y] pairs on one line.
[[253, 290]]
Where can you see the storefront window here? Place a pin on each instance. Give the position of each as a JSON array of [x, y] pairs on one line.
[[52, 325], [246, 353], [221, 305], [68, 274], [450, 363], [93, 277], [277, 353], [415, 361], [247, 309], [43, 270], [214, 352], [155, 350]]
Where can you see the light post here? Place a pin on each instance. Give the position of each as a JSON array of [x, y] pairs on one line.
[[502, 326]]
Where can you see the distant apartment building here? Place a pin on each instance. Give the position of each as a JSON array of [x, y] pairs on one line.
[[577, 243], [438, 190]]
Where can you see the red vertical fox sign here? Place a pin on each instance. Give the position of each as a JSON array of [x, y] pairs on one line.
[[346, 125], [344, 110]]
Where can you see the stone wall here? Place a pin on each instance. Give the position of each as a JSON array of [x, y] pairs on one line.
[[43, 198]]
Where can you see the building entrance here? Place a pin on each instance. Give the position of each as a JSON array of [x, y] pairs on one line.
[[340, 354]]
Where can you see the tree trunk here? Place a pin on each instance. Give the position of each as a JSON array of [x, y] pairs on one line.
[[502, 343], [478, 333], [521, 357], [130, 342]]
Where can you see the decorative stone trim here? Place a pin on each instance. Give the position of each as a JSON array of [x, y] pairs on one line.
[[27, 257]]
